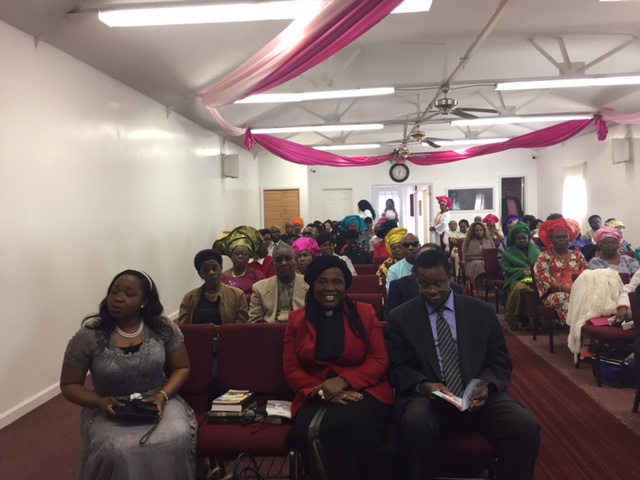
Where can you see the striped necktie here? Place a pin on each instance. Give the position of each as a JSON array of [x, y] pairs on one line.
[[449, 355]]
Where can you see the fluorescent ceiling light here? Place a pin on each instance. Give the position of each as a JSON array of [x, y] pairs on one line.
[[320, 128], [326, 95], [468, 141], [121, 16], [570, 83], [354, 146], [521, 119]]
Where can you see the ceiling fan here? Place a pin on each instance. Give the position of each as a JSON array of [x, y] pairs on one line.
[[449, 106], [417, 135]]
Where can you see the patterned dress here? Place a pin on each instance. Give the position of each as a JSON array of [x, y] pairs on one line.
[[383, 270], [110, 448], [551, 269]]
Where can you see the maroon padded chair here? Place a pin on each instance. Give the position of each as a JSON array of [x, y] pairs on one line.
[[377, 261], [366, 269], [365, 284], [495, 279], [198, 340], [250, 357], [374, 299], [544, 313], [634, 298]]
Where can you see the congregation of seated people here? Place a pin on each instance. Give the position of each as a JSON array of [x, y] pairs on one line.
[[371, 378]]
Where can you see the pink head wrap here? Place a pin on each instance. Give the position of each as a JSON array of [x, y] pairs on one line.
[[574, 228], [491, 218], [607, 232], [306, 243], [446, 200]]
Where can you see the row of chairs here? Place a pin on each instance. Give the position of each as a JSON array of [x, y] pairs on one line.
[[250, 357]]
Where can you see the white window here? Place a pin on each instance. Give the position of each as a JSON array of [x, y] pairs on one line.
[[574, 192]]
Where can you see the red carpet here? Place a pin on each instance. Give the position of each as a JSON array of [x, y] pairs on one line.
[[579, 439]]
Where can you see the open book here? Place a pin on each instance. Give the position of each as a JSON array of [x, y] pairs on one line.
[[463, 403], [279, 408]]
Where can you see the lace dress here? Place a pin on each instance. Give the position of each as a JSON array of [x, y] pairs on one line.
[[110, 448]]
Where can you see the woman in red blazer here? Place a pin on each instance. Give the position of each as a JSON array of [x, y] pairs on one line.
[[335, 359]]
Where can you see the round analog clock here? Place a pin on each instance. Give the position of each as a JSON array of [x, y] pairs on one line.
[[399, 172]]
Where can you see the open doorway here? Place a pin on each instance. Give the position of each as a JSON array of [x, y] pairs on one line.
[[516, 186]]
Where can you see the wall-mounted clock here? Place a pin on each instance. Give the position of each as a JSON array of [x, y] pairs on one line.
[[399, 172]]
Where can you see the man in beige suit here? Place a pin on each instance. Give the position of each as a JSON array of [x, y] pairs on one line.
[[273, 298]]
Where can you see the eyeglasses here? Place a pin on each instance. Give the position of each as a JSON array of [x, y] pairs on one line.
[[412, 244], [241, 254]]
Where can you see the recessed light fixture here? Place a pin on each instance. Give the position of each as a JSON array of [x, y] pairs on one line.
[[354, 146], [324, 95], [320, 128], [135, 16], [468, 141], [520, 119], [570, 83]]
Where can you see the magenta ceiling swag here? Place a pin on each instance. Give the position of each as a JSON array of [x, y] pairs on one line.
[[304, 155], [335, 25]]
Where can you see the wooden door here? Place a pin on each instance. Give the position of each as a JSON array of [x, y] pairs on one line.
[[280, 206]]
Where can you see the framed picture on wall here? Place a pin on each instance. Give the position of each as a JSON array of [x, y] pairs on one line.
[[471, 199]]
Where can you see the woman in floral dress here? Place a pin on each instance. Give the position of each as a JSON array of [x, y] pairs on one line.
[[556, 266]]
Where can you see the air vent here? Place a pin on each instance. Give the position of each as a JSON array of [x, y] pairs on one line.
[[230, 166]]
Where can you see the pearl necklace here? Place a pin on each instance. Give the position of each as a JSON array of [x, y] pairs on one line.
[[233, 274], [131, 335]]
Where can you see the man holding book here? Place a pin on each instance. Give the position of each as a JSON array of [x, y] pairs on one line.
[[273, 298], [441, 342]]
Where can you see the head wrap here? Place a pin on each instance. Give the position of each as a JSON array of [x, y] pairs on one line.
[[549, 227], [243, 236], [394, 236], [298, 220], [491, 218], [574, 228], [518, 228], [325, 262], [446, 200], [607, 232], [614, 224], [351, 219], [309, 244], [384, 227]]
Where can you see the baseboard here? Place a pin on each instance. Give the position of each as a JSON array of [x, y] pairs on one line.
[[38, 399], [29, 404]]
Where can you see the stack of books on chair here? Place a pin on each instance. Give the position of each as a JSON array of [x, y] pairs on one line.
[[230, 407]]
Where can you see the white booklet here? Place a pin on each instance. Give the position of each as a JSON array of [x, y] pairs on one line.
[[463, 403], [279, 408]]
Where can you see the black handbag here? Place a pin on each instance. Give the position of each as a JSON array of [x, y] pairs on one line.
[[135, 410]]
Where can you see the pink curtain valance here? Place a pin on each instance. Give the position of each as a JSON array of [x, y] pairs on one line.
[[304, 155], [305, 43]]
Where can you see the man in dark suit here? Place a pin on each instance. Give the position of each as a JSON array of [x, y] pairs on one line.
[[511, 205], [405, 288], [439, 342]]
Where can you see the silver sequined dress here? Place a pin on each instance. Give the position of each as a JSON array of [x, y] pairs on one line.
[[110, 448]]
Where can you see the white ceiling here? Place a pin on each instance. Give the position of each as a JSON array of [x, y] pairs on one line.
[[413, 52]]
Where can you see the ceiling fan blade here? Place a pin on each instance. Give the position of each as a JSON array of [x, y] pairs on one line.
[[462, 114], [481, 110], [435, 139], [430, 143]]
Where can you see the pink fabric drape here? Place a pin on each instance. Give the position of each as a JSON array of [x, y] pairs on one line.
[[304, 155], [336, 24], [611, 115]]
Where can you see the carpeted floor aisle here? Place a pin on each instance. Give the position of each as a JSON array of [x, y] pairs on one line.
[[579, 438]]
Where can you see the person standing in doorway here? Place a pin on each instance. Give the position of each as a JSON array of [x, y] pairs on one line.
[[511, 206]]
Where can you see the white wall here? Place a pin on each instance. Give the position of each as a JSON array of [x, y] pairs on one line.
[[93, 179], [612, 190], [476, 172]]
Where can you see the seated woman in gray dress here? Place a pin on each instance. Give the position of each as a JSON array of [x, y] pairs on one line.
[[126, 346]]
